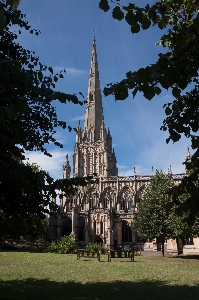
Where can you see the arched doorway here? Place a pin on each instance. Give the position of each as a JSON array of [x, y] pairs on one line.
[[126, 232], [81, 229], [98, 240], [67, 228]]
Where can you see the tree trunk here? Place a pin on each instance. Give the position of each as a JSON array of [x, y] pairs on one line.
[[178, 248], [162, 246]]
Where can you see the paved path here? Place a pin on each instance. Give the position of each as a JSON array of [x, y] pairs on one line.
[[152, 253]]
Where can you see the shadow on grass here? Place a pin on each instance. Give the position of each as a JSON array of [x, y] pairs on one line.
[[31, 289], [188, 257], [21, 248]]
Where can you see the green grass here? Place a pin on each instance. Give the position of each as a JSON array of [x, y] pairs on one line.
[[25, 275]]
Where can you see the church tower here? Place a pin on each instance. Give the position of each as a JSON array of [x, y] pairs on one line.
[[93, 152], [102, 211]]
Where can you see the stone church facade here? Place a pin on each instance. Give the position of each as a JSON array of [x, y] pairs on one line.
[[103, 211]]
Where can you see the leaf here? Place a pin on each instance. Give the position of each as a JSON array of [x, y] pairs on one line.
[[130, 18], [157, 90], [168, 111], [149, 92], [108, 91], [141, 74], [175, 136], [121, 92], [104, 5], [70, 128], [176, 92], [80, 93], [146, 23], [166, 81], [51, 70], [135, 28], [182, 84], [117, 13], [40, 76]]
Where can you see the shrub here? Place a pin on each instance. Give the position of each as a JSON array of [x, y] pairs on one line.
[[96, 247], [66, 245]]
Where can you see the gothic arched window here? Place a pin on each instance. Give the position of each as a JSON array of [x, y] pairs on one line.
[[91, 96], [90, 137]]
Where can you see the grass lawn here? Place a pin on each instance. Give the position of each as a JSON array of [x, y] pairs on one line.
[[25, 275]]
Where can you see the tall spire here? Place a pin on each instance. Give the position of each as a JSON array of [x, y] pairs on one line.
[[94, 111], [93, 151]]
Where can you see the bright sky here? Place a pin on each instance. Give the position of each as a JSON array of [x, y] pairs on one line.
[[65, 42]]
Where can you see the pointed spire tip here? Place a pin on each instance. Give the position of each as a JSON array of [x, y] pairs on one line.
[[94, 39]]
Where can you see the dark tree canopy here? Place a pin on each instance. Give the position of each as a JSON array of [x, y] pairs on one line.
[[28, 121], [27, 115], [175, 69]]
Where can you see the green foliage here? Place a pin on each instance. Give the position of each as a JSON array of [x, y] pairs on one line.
[[66, 245], [24, 199], [117, 13], [28, 118], [28, 122], [156, 216], [186, 196], [14, 4], [176, 69], [104, 5], [96, 247], [33, 227], [151, 220]]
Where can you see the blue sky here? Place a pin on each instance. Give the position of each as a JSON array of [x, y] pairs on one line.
[[65, 42]]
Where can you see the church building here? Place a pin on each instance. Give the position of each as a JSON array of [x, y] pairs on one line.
[[102, 211]]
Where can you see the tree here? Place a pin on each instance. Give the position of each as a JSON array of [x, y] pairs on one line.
[[14, 4], [28, 121], [24, 196], [177, 70], [151, 219], [32, 227], [156, 215]]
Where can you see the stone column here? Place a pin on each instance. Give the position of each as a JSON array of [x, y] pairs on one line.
[[73, 221], [119, 233], [110, 232], [108, 241], [86, 231], [111, 239], [133, 233]]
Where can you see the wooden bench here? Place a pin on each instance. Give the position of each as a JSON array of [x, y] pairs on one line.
[[120, 254], [87, 254]]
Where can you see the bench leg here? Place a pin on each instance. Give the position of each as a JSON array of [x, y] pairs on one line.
[[132, 256]]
